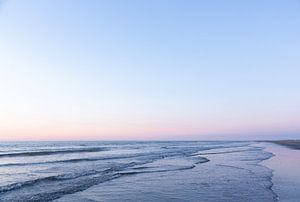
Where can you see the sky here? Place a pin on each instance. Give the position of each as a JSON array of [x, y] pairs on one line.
[[149, 70]]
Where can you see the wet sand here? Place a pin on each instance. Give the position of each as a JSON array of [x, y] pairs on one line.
[[286, 167], [294, 144]]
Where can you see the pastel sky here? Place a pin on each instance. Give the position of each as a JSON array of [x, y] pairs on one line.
[[153, 70]]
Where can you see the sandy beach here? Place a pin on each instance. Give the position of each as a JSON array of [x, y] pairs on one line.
[[294, 144], [285, 165]]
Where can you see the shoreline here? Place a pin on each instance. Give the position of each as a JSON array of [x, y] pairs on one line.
[[293, 144], [285, 179]]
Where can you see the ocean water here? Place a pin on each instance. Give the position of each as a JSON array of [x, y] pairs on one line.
[[134, 171]]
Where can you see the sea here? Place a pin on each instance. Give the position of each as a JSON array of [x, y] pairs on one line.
[[92, 171]]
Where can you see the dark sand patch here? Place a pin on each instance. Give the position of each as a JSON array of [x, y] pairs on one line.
[[294, 144]]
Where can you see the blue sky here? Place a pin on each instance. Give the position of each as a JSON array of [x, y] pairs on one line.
[[149, 69]]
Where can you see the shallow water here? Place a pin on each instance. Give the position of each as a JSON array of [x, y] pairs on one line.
[[134, 171]]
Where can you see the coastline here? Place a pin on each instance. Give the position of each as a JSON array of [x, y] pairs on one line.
[[285, 179], [293, 144]]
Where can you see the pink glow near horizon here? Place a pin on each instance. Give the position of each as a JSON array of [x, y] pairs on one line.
[[105, 71], [141, 132]]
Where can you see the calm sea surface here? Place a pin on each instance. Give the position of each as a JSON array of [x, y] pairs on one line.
[[134, 171]]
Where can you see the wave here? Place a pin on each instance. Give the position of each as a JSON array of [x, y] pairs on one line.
[[157, 170], [55, 192], [18, 185], [68, 176], [62, 161], [150, 155], [114, 170], [52, 152], [165, 168], [75, 160]]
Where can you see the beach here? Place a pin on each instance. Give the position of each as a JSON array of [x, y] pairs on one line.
[[149, 101], [210, 171], [294, 144], [286, 166], [135, 171]]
